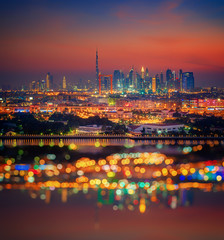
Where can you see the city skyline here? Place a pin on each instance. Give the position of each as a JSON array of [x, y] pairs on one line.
[[62, 38]]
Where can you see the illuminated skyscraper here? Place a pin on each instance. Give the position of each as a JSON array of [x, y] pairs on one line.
[[48, 81], [116, 79], [181, 79], [42, 85], [97, 69], [131, 78], [146, 72], [188, 81], [169, 81], [64, 86], [154, 84], [158, 85], [142, 73], [147, 82]]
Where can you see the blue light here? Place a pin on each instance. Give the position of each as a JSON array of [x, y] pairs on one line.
[[22, 167], [182, 177]]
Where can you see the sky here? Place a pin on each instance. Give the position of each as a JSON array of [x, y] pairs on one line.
[[61, 37]]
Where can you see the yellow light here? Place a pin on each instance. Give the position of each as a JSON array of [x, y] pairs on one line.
[[218, 178], [142, 206], [164, 171], [30, 174], [68, 170], [7, 175], [137, 169], [131, 191]]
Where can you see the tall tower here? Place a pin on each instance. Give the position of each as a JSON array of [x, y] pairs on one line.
[[64, 83], [187, 81], [154, 84], [48, 81], [142, 73], [181, 79], [97, 69]]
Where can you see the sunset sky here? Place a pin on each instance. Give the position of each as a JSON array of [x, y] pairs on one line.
[[61, 37]]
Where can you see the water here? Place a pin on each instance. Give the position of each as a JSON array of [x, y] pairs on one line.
[[107, 189]]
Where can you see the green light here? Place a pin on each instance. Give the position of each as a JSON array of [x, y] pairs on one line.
[[20, 152], [122, 184], [118, 192], [141, 184], [35, 167]]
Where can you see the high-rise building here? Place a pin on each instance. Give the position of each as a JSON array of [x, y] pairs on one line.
[[97, 69], [147, 79], [64, 86], [158, 85], [146, 72], [139, 81], [116, 79], [161, 79], [33, 85], [181, 79], [188, 81], [42, 85], [169, 79], [131, 78], [48, 81], [154, 84], [142, 73]]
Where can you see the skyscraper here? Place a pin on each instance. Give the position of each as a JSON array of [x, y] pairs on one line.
[[146, 72], [188, 81], [158, 85], [147, 82], [64, 86], [42, 85], [161, 79], [142, 73], [131, 78], [116, 79], [154, 84], [181, 79], [48, 81], [169, 82], [97, 69]]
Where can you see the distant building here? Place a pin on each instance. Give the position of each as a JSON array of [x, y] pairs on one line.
[[188, 81], [181, 79], [117, 79], [64, 86], [142, 73], [168, 79], [154, 84], [158, 128], [48, 81]]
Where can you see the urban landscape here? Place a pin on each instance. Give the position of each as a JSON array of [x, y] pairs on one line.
[[112, 120]]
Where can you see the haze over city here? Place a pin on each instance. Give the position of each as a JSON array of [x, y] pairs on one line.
[[62, 37]]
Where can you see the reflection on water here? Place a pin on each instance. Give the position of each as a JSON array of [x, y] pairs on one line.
[[126, 179]]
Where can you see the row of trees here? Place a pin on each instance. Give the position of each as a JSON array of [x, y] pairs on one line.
[[26, 123]]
